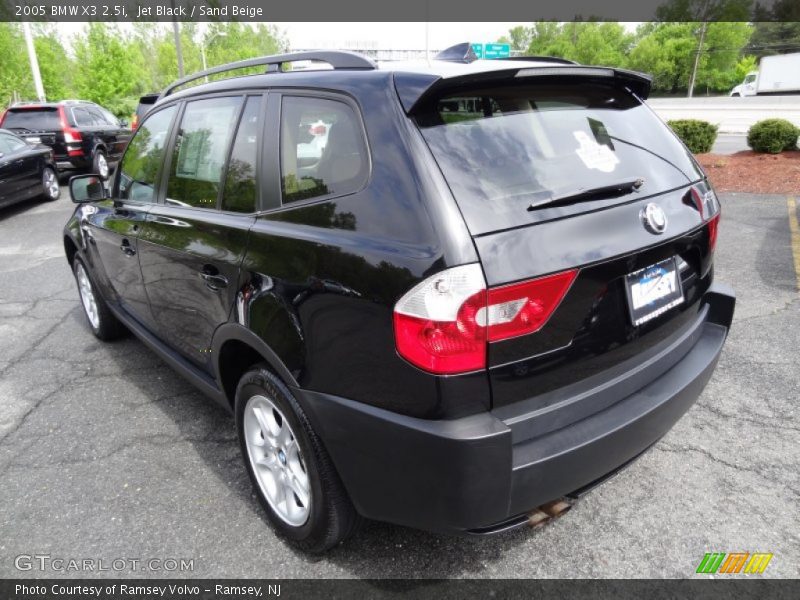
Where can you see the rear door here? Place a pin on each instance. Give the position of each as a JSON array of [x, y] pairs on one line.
[[194, 242], [21, 167], [554, 178], [114, 226], [114, 136]]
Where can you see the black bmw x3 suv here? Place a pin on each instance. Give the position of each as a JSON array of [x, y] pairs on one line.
[[451, 295]]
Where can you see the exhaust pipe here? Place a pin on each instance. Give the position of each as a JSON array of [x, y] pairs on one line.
[[547, 512]]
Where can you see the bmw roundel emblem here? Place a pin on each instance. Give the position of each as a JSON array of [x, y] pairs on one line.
[[654, 218]]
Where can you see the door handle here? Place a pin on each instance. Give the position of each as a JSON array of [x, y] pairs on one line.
[[126, 248], [214, 280]]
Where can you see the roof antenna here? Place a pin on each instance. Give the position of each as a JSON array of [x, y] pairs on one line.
[[460, 53]]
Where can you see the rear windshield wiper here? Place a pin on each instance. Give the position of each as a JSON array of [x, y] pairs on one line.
[[613, 190]]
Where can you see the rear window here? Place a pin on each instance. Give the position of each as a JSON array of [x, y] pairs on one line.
[[33, 119], [505, 149]]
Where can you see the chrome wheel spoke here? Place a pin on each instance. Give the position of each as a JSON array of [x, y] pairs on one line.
[[298, 488]]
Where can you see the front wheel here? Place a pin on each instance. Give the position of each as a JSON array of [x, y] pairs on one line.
[[104, 324], [51, 190], [291, 472]]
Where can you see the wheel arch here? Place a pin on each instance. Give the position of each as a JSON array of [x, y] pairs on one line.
[[70, 249], [234, 350]]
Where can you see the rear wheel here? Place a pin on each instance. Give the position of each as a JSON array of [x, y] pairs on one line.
[[291, 472], [50, 187], [104, 324], [100, 164]]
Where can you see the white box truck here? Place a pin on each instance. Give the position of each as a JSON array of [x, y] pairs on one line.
[[779, 74]]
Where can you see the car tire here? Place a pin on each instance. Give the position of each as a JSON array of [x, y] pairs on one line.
[[100, 164], [51, 189], [282, 453], [104, 324]]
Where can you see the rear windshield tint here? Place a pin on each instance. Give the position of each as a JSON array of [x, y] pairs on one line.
[[504, 149], [33, 119]]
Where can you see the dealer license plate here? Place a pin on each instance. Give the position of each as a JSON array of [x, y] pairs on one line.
[[654, 290]]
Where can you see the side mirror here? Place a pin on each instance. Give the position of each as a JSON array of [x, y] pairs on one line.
[[87, 188], [124, 123]]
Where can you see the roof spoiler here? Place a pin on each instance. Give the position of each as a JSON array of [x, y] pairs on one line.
[[414, 88]]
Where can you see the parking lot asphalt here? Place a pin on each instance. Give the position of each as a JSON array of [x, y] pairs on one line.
[[106, 453]]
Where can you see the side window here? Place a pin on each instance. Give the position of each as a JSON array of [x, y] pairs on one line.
[[8, 143], [107, 117], [83, 118], [97, 115], [142, 161], [239, 194], [322, 149], [201, 148]]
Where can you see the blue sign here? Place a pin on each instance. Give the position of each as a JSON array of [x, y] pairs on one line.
[[492, 50]]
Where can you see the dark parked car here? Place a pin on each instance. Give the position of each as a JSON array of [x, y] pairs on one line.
[[489, 291], [82, 134], [26, 170], [146, 102]]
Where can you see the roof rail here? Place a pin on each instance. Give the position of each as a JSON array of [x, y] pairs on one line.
[[338, 59], [546, 59]]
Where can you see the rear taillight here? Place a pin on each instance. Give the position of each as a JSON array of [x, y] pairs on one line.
[[443, 324], [134, 122], [434, 323], [523, 308], [707, 204], [3, 118], [71, 135]]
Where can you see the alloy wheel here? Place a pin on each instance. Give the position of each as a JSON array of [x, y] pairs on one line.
[[87, 296], [277, 460]]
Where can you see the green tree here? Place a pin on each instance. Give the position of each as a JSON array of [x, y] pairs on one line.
[[745, 65], [231, 42], [777, 29], [55, 65], [15, 73], [668, 51], [106, 69], [584, 42], [519, 38], [665, 51]]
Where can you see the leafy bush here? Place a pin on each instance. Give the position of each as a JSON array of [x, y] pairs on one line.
[[773, 136], [699, 136]]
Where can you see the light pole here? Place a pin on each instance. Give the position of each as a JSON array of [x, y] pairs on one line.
[[37, 77], [203, 44]]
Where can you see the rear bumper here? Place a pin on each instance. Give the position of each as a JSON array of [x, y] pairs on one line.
[[479, 474]]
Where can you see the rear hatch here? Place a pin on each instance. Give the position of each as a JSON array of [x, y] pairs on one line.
[[37, 125], [555, 176]]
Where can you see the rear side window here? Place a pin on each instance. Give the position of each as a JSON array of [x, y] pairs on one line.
[[240, 180], [507, 149], [142, 161], [33, 119], [82, 117], [322, 149], [200, 152], [9, 143]]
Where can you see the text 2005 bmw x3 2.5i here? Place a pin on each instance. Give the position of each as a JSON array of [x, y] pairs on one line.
[[450, 295]]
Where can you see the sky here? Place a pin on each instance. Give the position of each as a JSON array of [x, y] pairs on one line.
[[386, 36]]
